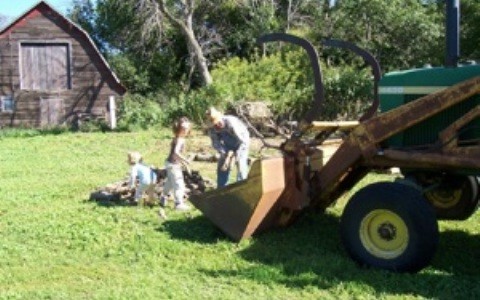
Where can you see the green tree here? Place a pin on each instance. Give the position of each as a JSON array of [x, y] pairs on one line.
[[149, 44], [143, 64], [400, 33], [470, 31], [83, 14], [238, 23], [157, 16]]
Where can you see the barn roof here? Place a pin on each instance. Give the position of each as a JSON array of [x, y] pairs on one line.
[[43, 5]]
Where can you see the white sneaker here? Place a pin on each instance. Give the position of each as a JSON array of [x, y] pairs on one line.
[[182, 207], [162, 214]]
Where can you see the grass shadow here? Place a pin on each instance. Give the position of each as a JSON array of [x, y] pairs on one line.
[[113, 200], [310, 253], [458, 253], [196, 229], [111, 203]]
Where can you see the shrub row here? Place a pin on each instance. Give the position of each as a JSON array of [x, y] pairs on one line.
[[284, 80]]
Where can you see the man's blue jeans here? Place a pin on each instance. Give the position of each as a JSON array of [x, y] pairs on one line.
[[241, 161]]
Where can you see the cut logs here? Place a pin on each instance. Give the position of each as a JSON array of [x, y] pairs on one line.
[[120, 193]]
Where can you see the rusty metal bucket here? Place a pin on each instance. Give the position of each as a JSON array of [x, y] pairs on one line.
[[264, 200]]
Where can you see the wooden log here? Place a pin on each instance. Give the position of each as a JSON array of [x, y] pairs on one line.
[[206, 157]]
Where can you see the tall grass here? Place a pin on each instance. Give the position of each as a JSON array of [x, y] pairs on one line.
[[57, 244]]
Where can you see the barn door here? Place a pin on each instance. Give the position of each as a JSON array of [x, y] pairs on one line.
[[51, 111]]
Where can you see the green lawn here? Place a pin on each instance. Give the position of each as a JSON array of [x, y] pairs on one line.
[[56, 244]]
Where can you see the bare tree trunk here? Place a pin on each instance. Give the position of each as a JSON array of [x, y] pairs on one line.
[[186, 27], [197, 54]]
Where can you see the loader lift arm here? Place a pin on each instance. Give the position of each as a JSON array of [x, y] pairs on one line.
[[362, 149]]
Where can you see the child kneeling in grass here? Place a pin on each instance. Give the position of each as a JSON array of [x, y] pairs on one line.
[[142, 178]]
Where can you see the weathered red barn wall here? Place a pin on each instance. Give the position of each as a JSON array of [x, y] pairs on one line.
[[92, 83]]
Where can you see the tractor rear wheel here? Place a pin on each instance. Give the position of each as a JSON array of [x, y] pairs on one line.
[[454, 197], [390, 226]]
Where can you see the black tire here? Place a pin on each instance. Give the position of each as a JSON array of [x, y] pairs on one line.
[[478, 194], [454, 197], [390, 226]]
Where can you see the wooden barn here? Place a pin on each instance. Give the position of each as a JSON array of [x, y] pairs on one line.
[[51, 73]]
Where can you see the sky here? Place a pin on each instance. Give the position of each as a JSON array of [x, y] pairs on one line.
[[14, 8]]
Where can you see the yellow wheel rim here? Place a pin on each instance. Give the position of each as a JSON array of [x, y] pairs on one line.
[[444, 198], [384, 234]]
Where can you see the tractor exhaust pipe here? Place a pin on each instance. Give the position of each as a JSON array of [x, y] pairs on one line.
[[452, 32]]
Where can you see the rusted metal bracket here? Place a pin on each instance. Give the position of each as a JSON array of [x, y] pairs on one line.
[[417, 159], [362, 148], [449, 136]]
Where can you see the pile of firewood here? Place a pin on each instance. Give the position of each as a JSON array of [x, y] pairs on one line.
[[260, 119], [119, 192]]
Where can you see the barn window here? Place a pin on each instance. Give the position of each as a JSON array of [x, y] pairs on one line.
[[45, 66], [6, 103]]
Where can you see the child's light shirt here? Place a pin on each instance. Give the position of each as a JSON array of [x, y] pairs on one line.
[[144, 174]]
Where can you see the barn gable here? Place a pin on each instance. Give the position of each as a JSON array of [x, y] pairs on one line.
[[51, 72]]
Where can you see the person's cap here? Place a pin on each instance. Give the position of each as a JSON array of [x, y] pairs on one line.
[[214, 115]]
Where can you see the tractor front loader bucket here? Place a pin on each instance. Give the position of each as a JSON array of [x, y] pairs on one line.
[[254, 204]]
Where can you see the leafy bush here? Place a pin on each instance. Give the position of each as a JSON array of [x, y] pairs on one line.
[[136, 80], [139, 112], [31, 132], [18, 132], [275, 79], [192, 105], [285, 80], [95, 125], [348, 93]]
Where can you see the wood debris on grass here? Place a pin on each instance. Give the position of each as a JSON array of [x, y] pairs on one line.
[[119, 192], [207, 157]]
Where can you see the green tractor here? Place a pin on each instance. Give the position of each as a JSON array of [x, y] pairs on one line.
[[428, 127]]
